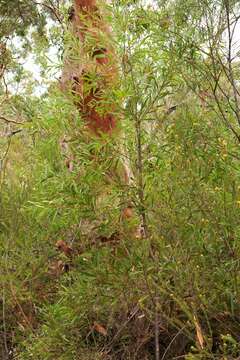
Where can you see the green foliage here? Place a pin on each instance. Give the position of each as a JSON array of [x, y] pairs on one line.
[[106, 298]]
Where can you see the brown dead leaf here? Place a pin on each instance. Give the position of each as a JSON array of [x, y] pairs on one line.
[[56, 268], [199, 334], [69, 164], [127, 213], [140, 232], [99, 328], [63, 247]]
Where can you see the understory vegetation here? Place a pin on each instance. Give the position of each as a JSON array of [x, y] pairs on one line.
[[93, 268]]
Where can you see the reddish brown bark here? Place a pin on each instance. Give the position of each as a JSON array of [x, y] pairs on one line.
[[93, 75]]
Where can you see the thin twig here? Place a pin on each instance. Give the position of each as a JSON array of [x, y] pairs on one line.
[[4, 327], [5, 85], [51, 9], [172, 341], [6, 152], [229, 57], [134, 312], [10, 121], [157, 349]]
